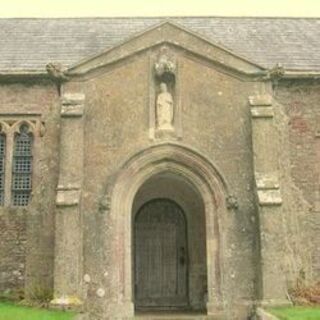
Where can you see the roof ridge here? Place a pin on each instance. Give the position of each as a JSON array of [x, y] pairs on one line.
[[33, 42]]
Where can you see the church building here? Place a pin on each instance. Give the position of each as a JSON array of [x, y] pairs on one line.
[[159, 165]]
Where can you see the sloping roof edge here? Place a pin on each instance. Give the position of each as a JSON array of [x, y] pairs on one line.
[[304, 61], [159, 25]]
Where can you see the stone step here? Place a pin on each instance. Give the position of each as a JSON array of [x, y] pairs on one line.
[[185, 317], [173, 316], [163, 316]]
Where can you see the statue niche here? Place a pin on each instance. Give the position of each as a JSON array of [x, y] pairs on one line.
[[165, 69], [164, 108]]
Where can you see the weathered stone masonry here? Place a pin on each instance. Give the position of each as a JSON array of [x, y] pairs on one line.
[[167, 116]]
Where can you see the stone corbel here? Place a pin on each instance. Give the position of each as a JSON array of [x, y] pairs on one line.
[[56, 72], [68, 196], [40, 128], [268, 190], [276, 73], [105, 204], [72, 105], [232, 202]]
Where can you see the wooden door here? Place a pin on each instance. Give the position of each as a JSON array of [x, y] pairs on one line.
[[160, 255]]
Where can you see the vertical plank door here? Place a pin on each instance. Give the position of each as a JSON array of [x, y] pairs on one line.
[[160, 255]]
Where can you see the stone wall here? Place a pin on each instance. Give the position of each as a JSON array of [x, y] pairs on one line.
[[13, 252], [300, 119], [26, 237]]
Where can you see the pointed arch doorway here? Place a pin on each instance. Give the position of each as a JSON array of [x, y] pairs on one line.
[[183, 175], [169, 245]]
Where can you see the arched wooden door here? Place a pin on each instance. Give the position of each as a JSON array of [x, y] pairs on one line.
[[161, 256]]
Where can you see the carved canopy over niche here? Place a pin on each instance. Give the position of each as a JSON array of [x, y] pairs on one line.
[[165, 67]]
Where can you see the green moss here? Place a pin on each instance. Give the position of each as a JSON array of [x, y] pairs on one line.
[[296, 313], [9, 311]]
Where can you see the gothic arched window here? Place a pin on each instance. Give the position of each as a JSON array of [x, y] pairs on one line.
[[22, 167], [2, 166]]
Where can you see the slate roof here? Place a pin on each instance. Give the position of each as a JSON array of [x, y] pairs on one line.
[[29, 44]]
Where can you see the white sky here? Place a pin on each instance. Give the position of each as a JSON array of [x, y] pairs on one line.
[[82, 8]]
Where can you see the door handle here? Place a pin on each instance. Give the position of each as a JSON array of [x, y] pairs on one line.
[[182, 256]]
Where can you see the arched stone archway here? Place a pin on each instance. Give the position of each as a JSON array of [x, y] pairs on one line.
[[203, 176]]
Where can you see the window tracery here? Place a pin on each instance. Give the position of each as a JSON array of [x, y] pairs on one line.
[[17, 140]]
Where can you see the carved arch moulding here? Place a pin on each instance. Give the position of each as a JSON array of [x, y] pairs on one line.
[[189, 165]]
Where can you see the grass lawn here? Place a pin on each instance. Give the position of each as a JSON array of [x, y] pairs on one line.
[[296, 313], [9, 311]]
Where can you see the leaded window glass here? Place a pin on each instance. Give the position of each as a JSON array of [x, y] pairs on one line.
[[2, 166], [22, 167]]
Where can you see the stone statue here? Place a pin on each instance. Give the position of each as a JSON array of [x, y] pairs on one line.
[[164, 108]]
